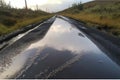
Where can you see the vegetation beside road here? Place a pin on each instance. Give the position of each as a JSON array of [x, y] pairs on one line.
[[12, 19], [103, 15]]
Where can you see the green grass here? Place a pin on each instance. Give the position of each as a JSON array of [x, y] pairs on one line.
[[3, 29], [21, 23], [103, 15], [13, 19], [99, 14]]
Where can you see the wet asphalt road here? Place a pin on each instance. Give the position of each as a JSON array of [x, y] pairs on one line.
[[57, 49]]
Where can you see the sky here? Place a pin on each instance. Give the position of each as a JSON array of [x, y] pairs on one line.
[[46, 5]]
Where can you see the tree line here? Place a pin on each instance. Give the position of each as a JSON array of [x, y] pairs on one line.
[[79, 6], [3, 4]]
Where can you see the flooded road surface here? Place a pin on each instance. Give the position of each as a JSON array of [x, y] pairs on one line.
[[64, 52]]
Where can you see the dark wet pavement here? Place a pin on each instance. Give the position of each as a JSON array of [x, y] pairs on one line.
[[64, 52]]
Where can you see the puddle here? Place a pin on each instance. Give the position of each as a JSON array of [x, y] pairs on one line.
[[64, 52], [14, 39]]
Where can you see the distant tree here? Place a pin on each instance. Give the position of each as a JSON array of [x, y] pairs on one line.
[[1, 3], [78, 6], [4, 5], [74, 5]]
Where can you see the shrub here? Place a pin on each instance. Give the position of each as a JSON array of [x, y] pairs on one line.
[[9, 22], [78, 6]]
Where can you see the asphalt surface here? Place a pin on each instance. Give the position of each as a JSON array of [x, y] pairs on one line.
[[61, 48]]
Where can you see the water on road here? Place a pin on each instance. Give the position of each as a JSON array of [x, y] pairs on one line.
[[64, 52]]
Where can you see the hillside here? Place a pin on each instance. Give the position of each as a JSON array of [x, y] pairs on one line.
[[103, 15], [12, 19]]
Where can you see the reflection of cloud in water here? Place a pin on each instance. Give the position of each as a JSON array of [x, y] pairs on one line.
[[62, 46], [53, 63], [58, 28], [49, 58], [63, 36], [9, 67], [12, 58]]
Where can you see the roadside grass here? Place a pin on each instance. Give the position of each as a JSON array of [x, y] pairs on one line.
[[22, 23], [28, 21], [3, 29], [103, 17], [12, 19], [105, 24]]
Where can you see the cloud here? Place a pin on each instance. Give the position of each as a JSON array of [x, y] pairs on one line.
[[54, 7], [59, 5], [49, 5], [54, 2]]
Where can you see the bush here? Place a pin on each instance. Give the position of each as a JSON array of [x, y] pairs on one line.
[[9, 22], [79, 6]]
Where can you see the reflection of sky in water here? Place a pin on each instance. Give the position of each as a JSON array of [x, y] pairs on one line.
[[64, 38], [15, 66], [62, 35], [17, 63], [9, 65]]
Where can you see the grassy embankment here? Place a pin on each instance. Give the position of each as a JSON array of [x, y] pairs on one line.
[[103, 15], [13, 19]]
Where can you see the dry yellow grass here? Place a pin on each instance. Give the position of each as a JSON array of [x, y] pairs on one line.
[[22, 23], [93, 18], [112, 24]]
